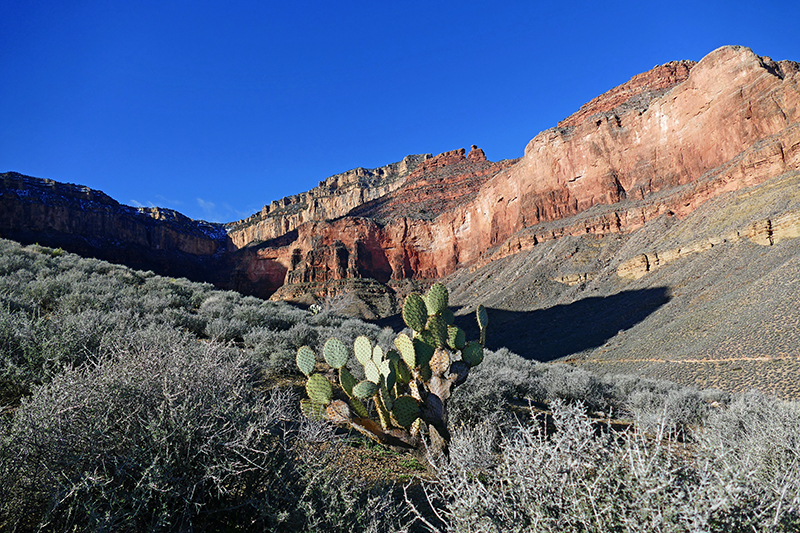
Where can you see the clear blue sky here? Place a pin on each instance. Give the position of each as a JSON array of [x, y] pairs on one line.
[[217, 108]]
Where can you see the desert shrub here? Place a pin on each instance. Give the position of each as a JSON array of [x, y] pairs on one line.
[[505, 377], [276, 350], [739, 473], [502, 377], [569, 383], [679, 408], [335, 500], [165, 435]]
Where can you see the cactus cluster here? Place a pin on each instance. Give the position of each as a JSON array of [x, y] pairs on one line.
[[407, 386]]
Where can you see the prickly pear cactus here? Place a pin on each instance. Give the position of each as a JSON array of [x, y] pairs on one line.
[[402, 402]]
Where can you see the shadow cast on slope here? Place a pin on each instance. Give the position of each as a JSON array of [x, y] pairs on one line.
[[563, 330]]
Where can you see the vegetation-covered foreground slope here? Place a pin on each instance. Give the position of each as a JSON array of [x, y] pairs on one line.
[[135, 402]]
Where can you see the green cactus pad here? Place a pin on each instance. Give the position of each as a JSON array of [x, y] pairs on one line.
[[319, 389], [386, 396], [372, 372], [425, 373], [312, 410], [383, 413], [415, 312], [388, 373], [406, 348], [335, 353], [438, 329], [440, 362], [449, 317], [359, 408], [377, 356], [403, 373], [436, 299], [456, 338], [472, 353], [393, 355], [347, 381], [405, 411], [363, 349], [424, 351], [426, 337], [365, 389], [306, 360], [483, 317]]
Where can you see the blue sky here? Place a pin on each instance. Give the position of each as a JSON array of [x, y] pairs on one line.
[[217, 108]]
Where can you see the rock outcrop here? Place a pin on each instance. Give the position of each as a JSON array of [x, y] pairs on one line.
[[91, 223], [333, 198], [732, 123], [660, 145]]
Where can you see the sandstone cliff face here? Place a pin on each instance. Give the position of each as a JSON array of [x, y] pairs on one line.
[[733, 121], [333, 198], [378, 240], [661, 144], [91, 223]]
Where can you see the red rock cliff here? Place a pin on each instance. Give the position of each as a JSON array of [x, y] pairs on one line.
[[334, 197], [664, 142]]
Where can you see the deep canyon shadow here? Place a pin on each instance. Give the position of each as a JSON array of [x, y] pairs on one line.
[[562, 330]]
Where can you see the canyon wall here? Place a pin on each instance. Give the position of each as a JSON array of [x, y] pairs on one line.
[[661, 144], [91, 223], [333, 198]]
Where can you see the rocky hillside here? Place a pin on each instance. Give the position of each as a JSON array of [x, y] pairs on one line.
[[624, 238], [662, 144], [89, 222]]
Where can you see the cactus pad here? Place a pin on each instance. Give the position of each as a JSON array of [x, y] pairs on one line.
[[363, 349], [406, 348], [456, 338], [405, 410], [483, 317], [372, 372], [347, 381], [424, 351], [312, 410], [415, 312], [319, 389], [388, 373], [472, 353], [335, 353], [436, 299], [425, 372], [377, 356], [306, 360], [359, 408], [365, 389], [386, 396], [393, 356], [403, 373], [438, 328], [338, 412], [449, 317], [440, 362]]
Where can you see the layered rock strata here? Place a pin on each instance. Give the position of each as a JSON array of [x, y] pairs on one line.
[[90, 222], [333, 198], [662, 144]]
